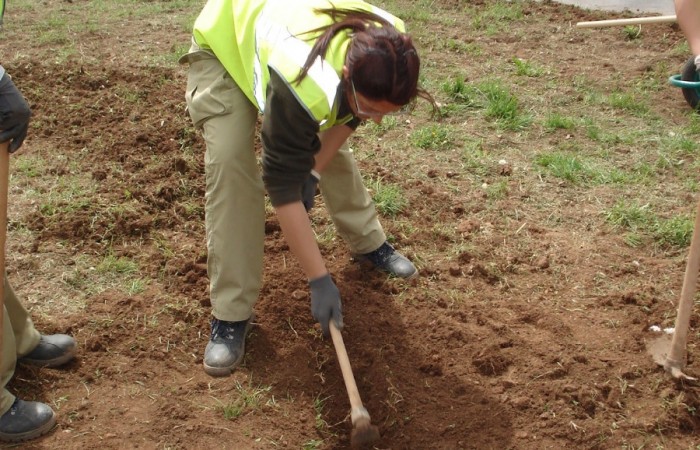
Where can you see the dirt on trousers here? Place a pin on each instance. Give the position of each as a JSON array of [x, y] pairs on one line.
[[521, 332]]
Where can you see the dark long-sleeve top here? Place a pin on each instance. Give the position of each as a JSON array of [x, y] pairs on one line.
[[290, 140]]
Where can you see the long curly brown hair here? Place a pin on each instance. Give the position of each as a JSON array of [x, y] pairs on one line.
[[382, 62]]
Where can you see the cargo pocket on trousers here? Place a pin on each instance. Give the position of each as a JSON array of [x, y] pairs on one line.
[[205, 102]]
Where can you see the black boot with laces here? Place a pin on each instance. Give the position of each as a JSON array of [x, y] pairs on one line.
[[226, 346], [386, 259]]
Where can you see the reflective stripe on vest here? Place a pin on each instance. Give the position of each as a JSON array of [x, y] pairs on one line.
[[281, 41], [290, 54]]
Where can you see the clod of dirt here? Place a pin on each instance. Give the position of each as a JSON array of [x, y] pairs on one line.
[[541, 263], [468, 226], [491, 362], [504, 168]]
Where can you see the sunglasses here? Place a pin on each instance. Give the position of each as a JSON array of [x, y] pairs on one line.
[[405, 109]]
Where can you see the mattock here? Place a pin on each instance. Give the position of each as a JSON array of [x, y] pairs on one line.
[[363, 432], [671, 352]]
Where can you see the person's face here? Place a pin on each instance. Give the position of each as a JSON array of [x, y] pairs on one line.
[[365, 108], [374, 110]]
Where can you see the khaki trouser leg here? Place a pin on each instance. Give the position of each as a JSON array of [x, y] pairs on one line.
[[350, 205], [234, 198], [19, 338]]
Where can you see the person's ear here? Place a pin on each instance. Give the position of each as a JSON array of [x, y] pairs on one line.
[[346, 71]]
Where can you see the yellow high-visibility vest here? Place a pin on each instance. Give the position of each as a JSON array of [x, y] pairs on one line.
[[252, 37]]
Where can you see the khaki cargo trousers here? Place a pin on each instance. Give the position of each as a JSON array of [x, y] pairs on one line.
[[234, 197], [19, 338]]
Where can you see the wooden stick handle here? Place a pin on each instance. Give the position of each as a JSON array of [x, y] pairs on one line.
[[4, 184], [631, 21], [680, 334], [344, 361]]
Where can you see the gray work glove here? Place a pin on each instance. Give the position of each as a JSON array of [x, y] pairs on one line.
[[14, 114], [697, 63], [308, 190], [325, 303]]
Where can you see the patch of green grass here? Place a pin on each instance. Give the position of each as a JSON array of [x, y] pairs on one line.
[[114, 271], [679, 145], [681, 48], [632, 32], [129, 95], [526, 68], [29, 165], [593, 130], [691, 185], [565, 166], [434, 136], [474, 158], [655, 79], [136, 286], [324, 230], [491, 17], [388, 197], [76, 279], [67, 195], [503, 106], [319, 422], [555, 121], [641, 221], [498, 190], [633, 239], [624, 177], [674, 232], [248, 398], [467, 48], [171, 58], [498, 103], [632, 216], [692, 125], [419, 11], [113, 264], [53, 31], [140, 8], [570, 162], [387, 124], [462, 93], [628, 102], [313, 444]]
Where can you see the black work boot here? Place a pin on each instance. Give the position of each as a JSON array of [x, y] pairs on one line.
[[387, 259], [52, 351], [226, 346], [26, 420]]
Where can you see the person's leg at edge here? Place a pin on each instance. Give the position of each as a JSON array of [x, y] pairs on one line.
[[355, 216], [19, 420], [33, 348], [234, 209]]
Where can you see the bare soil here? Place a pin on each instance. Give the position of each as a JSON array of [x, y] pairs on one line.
[[532, 336]]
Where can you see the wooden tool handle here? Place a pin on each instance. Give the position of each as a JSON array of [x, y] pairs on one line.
[[4, 183], [631, 21], [344, 361], [685, 307]]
